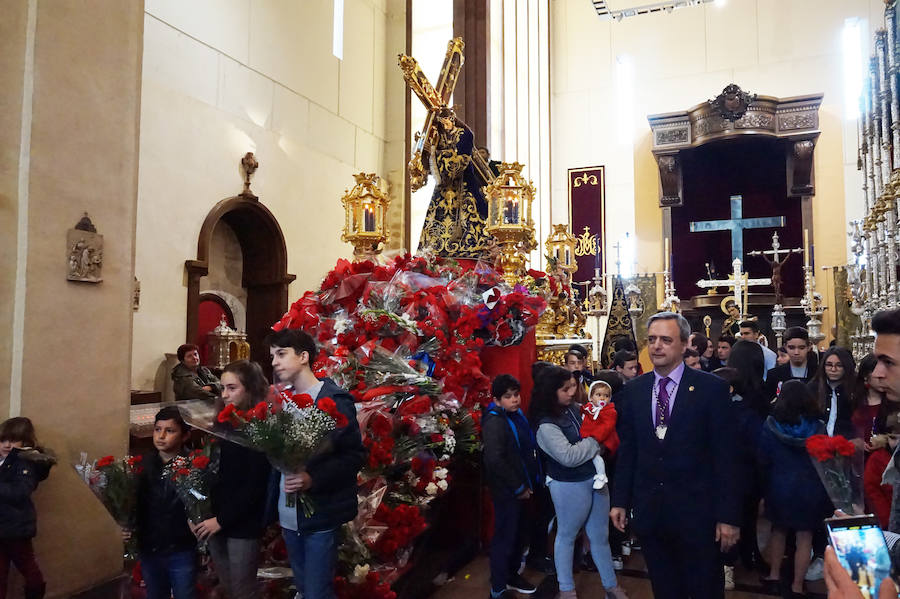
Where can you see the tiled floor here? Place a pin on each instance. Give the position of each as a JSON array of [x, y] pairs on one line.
[[472, 582]]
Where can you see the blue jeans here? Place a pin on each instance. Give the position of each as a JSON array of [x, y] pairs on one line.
[[578, 505], [313, 556], [173, 571]]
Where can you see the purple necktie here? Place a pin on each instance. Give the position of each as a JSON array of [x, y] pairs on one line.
[[662, 402]]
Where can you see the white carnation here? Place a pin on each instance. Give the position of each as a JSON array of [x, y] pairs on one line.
[[431, 489]]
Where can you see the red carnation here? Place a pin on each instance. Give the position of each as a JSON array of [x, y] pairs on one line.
[[105, 461], [843, 446], [183, 472], [201, 462], [302, 400], [227, 413], [819, 446], [260, 411]]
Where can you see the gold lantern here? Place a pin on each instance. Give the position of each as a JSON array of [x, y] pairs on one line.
[[509, 197], [560, 246], [365, 216]]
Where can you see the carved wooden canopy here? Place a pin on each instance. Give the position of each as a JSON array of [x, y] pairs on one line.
[[732, 114]]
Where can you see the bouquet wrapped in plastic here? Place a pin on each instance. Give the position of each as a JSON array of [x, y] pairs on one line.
[[839, 464], [193, 476], [115, 482], [288, 431]]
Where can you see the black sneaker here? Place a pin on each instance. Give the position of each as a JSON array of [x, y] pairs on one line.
[[517, 583]]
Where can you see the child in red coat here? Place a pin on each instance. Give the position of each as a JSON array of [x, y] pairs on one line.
[[879, 496], [599, 421]]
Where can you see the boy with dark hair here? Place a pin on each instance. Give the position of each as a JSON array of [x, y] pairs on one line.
[[692, 359], [575, 360], [329, 479], [802, 363], [513, 473], [166, 545], [723, 349], [625, 362], [750, 332]]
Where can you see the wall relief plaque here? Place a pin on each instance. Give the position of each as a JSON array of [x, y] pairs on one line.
[[85, 252]]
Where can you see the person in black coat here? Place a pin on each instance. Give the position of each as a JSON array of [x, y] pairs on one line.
[[166, 546], [513, 473], [22, 467], [795, 499], [676, 468], [239, 493], [802, 362], [328, 479], [831, 386]]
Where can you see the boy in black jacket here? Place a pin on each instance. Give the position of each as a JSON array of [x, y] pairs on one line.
[[166, 545], [513, 473]]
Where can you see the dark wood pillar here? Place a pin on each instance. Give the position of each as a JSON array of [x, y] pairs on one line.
[[471, 99]]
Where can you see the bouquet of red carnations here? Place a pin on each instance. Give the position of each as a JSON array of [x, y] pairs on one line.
[[115, 483], [839, 464], [193, 476], [289, 431]]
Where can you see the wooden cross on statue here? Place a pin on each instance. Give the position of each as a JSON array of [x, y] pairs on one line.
[[776, 263], [436, 101]]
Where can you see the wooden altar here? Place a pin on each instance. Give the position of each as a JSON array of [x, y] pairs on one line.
[[733, 170]]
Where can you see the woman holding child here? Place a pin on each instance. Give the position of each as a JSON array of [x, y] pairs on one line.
[[568, 462]]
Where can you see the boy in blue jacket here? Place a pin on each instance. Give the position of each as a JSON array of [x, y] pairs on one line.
[[513, 473], [329, 479]]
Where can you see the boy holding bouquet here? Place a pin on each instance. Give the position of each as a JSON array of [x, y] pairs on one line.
[[167, 547], [328, 479]]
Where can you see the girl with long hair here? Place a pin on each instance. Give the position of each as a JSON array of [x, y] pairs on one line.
[[867, 400], [238, 496], [570, 471], [832, 387], [751, 407], [795, 499]]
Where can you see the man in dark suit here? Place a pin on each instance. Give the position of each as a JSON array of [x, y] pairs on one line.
[[802, 363], [676, 468]]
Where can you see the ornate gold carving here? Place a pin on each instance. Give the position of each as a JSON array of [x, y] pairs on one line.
[[586, 243], [585, 179]]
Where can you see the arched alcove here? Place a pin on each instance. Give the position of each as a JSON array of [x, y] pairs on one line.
[[265, 273]]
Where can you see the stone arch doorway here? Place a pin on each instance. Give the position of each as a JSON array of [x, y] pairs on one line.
[[265, 275]]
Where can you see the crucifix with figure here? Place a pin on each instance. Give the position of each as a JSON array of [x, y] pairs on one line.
[[736, 224], [776, 262]]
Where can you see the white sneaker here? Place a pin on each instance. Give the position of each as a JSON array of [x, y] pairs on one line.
[[618, 563], [626, 549], [816, 570], [729, 578]]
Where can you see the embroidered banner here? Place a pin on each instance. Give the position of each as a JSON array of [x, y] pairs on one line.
[[587, 214]]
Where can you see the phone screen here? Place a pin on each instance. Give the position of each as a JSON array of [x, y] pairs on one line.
[[862, 551]]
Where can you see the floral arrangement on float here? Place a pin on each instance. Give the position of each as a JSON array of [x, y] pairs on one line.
[[404, 337]]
